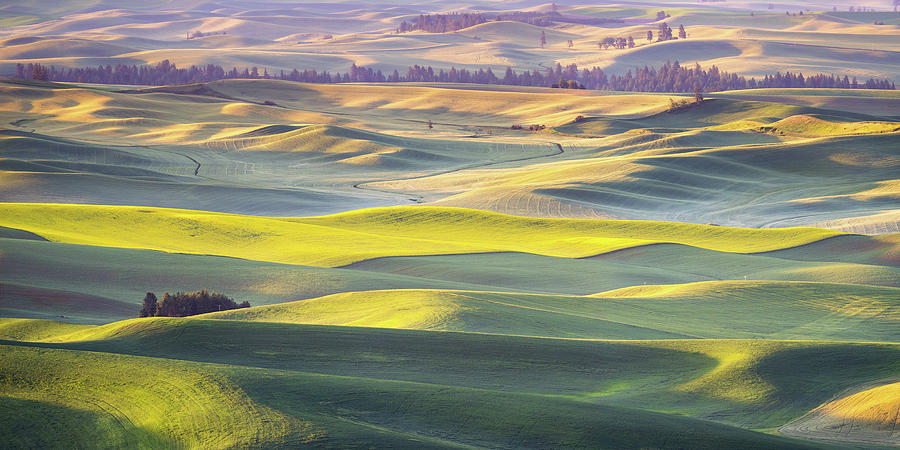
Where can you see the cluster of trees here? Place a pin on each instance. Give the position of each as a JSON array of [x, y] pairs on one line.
[[618, 42], [567, 84], [664, 33], [668, 78], [200, 34], [540, 19], [536, 127], [442, 23], [187, 304]]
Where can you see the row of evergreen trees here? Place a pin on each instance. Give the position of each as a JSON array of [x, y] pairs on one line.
[[442, 23], [187, 304], [671, 77]]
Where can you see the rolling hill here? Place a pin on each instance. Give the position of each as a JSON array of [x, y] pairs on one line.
[[449, 265]]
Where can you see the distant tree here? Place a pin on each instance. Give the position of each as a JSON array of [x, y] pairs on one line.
[[430, 124], [681, 33], [664, 33], [150, 306], [39, 72], [571, 44], [543, 39], [650, 35], [698, 95], [660, 15], [630, 42], [607, 43]]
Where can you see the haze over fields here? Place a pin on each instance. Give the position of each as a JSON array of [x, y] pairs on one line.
[[492, 263]]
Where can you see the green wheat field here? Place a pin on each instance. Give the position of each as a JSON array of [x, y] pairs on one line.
[[442, 264]]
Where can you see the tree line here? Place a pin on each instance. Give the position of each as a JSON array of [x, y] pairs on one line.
[[442, 23], [187, 304], [671, 77]]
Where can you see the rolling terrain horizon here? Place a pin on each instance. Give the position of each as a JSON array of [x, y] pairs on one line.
[[516, 224]]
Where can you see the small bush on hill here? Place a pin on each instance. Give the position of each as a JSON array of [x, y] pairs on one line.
[[187, 304]]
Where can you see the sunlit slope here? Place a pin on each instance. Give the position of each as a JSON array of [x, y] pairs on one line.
[[874, 250], [652, 264], [753, 383], [90, 284], [219, 146], [770, 309], [486, 106], [714, 309], [355, 236], [207, 405], [99, 399], [371, 153], [452, 310], [870, 102], [95, 284], [209, 111], [879, 223], [868, 415], [39, 167], [35, 329], [744, 175], [730, 114]]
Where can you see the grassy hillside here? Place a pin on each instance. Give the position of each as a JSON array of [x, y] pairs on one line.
[[373, 233], [714, 309], [242, 406], [753, 383], [864, 414], [217, 146], [112, 400], [91, 284], [424, 270], [653, 264]]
